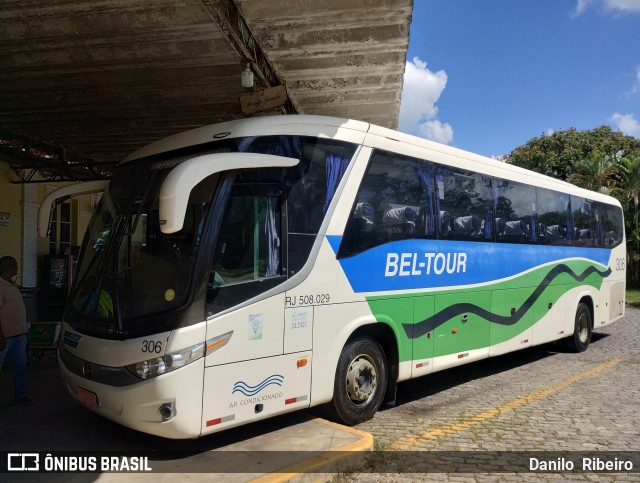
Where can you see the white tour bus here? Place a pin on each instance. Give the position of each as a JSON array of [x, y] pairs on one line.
[[255, 267]]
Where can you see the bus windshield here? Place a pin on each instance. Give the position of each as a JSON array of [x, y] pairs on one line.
[[125, 256], [129, 270]]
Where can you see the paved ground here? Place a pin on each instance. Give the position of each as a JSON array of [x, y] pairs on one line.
[[539, 400], [494, 414], [275, 450]]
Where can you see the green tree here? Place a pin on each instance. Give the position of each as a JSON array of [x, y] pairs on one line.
[[629, 195], [630, 180], [556, 154], [600, 160]]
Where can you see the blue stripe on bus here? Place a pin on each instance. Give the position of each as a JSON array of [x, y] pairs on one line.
[[415, 264]]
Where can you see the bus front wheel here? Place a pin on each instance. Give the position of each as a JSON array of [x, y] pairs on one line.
[[579, 341], [360, 382]]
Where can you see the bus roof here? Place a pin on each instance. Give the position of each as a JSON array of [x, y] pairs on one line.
[[326, 126], [255, 126]]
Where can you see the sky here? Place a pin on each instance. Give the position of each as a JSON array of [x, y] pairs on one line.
[[488, 75]]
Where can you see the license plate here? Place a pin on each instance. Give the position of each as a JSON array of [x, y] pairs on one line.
[[88, 397]]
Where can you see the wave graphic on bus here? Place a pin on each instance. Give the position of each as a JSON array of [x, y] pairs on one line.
[[248, 390], [416, 330]]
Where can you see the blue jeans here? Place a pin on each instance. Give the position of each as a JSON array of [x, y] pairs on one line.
[[17, 352]]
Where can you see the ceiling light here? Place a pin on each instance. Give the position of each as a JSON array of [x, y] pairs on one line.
[[247, 77]]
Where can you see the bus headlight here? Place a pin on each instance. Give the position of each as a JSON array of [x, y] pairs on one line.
[[167, 363]]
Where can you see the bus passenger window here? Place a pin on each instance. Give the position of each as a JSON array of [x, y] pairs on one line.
[[609, 226], [583, 221], [395, 202], [554, 212], [463, 200], [516, 213]]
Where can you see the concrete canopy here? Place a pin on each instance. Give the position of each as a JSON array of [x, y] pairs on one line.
[[101, 78]]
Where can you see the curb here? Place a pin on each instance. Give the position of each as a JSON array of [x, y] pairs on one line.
[[337, 459]]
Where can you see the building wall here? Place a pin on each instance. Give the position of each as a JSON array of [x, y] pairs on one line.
[[11, 204], [18, 224]]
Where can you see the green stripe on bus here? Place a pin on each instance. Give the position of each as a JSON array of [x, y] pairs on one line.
[[482, 306]]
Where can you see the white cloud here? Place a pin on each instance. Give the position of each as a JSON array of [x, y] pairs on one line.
[[418, 111], [436, 131], [608, 6], [627, 124], [582, 6]]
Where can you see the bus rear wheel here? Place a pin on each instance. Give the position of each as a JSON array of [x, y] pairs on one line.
[[579, 341], [360, 382]]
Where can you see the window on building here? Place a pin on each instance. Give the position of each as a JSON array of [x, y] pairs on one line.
[[60, 234]]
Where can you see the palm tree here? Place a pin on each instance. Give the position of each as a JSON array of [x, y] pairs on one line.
[[596, 173], [630, 192], [630, 182]]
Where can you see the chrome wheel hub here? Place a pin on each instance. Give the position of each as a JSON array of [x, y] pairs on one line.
[[362, 379], [583, 328]]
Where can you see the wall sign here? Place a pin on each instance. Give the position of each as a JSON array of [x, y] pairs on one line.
[[263, 100], [5, 217]]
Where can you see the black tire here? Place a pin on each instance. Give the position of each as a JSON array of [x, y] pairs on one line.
[[579, 341], [360, 382]]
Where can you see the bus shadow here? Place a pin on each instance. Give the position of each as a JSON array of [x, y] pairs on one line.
[[432, 384]]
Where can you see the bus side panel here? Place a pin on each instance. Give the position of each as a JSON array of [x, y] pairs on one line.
[[464, 335], [298, 329], [601, 306], [398, 313], [252, 390], [257, 332], [612, 303], [549, 314], [422, 363], [511, 329], [616, 300]]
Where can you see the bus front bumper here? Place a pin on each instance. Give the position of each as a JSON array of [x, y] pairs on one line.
[[169, 405]]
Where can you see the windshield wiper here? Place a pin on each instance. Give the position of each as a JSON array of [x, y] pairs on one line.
[[141, 204]]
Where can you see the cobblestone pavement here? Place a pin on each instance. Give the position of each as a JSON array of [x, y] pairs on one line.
[[541, 399]]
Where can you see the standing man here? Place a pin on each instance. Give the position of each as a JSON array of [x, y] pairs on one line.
[[13, 328]]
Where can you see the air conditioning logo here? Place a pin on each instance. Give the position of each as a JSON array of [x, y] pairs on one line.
[[23, 462]]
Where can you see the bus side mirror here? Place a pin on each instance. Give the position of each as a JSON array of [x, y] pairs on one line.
[[176, 188]]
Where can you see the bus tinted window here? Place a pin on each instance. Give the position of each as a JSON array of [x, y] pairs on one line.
[[248, 256], [309, 187], [311, 184], [515, 216], [463, 205], [248, 244], [583, 222], [394, 202], [609, 226], [553, 217]]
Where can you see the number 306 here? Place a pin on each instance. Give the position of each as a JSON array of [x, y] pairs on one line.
[[152, 346]]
